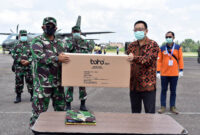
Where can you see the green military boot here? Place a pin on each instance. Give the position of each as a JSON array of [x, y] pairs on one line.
[[82, 106], [68, 106], [162, 109], [174, 110], [18, 98]]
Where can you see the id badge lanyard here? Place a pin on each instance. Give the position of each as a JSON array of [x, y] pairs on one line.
[[171, 51]]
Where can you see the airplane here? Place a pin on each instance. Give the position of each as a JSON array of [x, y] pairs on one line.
[[12, 38], [78, 23]]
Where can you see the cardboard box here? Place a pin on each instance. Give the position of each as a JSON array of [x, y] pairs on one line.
[[96, 70]]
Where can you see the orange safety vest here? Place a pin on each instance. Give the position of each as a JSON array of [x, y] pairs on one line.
[[164, 56]]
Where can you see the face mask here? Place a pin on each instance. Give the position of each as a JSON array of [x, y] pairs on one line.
[[49, 30], [169, 40], [139, 35], [76, 35], [23, 38]]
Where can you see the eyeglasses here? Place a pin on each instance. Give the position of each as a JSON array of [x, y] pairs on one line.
[[168, 37], [139, 29]]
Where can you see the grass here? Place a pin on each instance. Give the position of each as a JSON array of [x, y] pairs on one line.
[[190, 54], [121, 51], [185, 54]]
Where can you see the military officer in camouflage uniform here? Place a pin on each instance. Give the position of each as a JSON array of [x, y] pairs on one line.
[[47, 52], [22, 66], [78, 45]]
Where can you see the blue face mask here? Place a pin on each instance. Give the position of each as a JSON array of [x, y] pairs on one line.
[[76, 35], [169, 40], [139, 35], [23, 38]]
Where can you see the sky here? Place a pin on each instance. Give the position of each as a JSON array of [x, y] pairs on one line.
[[119, 16]]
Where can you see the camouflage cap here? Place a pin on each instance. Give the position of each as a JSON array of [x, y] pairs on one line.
[[49, 20], [76, 28], [24, 32]]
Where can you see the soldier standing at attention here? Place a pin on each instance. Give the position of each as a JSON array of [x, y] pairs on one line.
[[47, 52], [78, 45], [22, 66]]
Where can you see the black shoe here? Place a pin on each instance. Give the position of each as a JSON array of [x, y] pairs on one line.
[[82, 106], [18, 98], [31, 98], [68, 106]]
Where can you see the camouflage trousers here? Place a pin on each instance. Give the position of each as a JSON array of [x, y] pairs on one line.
[[69, 94], [41, 99], [19, 81]]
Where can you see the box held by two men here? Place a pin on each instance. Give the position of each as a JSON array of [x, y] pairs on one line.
[[96, 70]]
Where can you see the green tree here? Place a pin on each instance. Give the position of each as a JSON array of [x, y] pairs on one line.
[[190, 45], [111, 47]]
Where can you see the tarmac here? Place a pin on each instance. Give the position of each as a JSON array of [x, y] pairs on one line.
[[14, 118]]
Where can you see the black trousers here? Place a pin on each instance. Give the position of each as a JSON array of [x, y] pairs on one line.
[[148, 98]]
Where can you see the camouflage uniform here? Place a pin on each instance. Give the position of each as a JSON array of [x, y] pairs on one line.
[[77, 45], [20, 52], [47, 74], [74, 117]]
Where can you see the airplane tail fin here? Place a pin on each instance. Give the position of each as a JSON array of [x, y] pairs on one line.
[[78, 22]]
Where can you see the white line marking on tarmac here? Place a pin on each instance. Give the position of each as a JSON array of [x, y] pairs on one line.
[[14, 112], [184, 113]]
